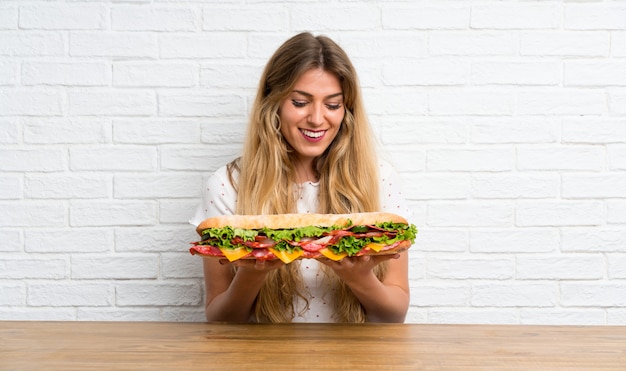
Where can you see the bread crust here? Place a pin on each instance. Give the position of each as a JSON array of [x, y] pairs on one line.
[[287, 221]]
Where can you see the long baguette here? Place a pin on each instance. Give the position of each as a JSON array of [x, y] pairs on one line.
[[290, 236]]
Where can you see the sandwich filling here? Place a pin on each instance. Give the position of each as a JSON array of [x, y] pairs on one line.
[[334, 242]]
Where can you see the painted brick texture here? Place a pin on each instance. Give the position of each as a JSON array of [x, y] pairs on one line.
[[505, 119]]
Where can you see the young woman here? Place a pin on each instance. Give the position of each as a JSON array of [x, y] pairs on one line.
[[309, 148]]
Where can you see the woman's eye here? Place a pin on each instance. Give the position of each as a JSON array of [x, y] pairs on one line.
[[298, 103], [333, 106]]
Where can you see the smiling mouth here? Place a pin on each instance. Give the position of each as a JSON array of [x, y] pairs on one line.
[[313, 134]]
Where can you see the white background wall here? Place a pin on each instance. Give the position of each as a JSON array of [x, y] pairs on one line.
[[506, 119]]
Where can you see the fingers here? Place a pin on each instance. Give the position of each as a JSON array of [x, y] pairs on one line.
[[254, 264], [365, 262], [382, 258], [259, 264], [345, 263], [262, 265]]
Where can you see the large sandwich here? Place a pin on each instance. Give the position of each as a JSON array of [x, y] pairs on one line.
[[294, 236]]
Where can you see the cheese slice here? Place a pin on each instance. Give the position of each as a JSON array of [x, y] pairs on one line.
[[234, 254], [332, 256], [286, 256], [375, 246]]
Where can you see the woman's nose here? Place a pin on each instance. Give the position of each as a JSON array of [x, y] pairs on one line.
[[316, 115]]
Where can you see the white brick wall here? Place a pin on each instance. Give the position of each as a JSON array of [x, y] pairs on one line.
[[506, 120]]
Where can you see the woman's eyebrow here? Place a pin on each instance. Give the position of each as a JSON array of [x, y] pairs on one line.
[[309, 95]]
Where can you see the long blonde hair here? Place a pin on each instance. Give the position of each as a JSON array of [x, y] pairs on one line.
[[347, 170]]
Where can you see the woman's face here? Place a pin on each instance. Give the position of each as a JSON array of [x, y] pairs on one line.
[[312, 113]]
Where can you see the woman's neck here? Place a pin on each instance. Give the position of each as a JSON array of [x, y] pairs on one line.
[[305, 172]]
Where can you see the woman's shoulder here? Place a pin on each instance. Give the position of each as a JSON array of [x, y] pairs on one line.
[[392, 190], [219, 196], [224, 176], [225, 171]]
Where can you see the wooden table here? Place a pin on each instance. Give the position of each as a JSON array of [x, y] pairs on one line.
[[202, 346]]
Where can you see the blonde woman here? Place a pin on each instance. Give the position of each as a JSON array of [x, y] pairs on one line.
[[309, 148]]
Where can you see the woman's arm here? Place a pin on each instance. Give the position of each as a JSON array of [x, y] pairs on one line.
[[386, 301], [230, 293]]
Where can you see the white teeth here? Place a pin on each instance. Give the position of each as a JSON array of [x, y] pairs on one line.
[[312, 134]]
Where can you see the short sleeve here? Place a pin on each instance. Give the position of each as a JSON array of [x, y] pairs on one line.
[[219, 197], [392, 198]]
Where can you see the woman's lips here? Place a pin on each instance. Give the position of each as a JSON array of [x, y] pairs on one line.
[[313, 136]]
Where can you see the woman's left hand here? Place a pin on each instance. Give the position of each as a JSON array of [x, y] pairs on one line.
[[353, 268], [383, 301]]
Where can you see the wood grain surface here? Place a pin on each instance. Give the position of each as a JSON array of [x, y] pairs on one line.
[[203, 346]]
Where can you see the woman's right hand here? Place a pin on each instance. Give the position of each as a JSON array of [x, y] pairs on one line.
[[230, 293]]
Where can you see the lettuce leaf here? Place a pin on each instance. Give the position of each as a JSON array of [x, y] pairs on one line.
[[296, 234], [224, 236], [352, 245]]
